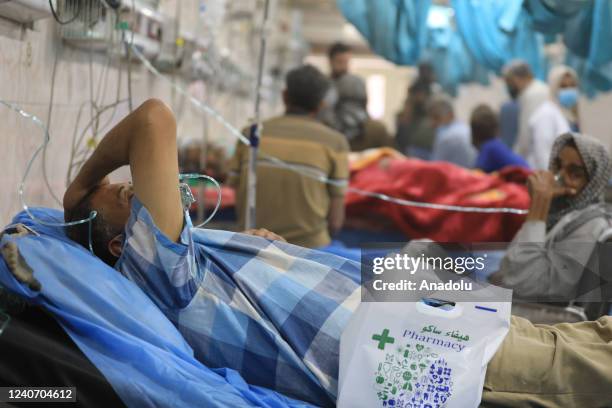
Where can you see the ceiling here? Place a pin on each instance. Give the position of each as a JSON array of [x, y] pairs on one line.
[[323, 24]]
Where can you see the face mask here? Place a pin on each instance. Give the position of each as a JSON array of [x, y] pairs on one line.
[[568, 97]]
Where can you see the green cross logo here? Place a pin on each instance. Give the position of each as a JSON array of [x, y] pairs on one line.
[[383, 339]]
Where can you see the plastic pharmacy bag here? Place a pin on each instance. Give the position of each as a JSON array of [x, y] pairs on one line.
[[419, 354]]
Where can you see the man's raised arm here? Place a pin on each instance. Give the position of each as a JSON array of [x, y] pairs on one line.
[[146, 140]]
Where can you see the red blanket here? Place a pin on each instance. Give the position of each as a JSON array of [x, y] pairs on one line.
[[441, 183]]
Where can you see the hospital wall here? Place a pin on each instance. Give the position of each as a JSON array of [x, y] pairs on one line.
[[26, 70]]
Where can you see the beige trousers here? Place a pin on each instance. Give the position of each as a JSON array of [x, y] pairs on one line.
[[565, 365]]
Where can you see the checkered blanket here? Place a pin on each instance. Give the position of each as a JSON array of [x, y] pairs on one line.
[[272, 311]]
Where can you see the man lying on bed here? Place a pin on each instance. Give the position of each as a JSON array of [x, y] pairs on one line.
[[275, 314], [225, 305]]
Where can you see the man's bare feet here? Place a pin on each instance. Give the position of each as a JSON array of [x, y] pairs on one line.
[[18, 266]]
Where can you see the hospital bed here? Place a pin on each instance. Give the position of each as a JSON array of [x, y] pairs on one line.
[[380, 176], [99, 332], [36, 351], [117, 328]]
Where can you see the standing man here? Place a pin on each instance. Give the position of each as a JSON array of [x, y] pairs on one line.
[[540, 120], [339, 55], [339, 59], [300, 208], [351, 117], [414, 133]]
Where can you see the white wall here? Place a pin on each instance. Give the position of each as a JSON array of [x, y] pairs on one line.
[[26, 62], [596, 117]]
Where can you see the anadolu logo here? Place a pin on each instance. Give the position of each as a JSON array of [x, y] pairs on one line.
[[410, 375]]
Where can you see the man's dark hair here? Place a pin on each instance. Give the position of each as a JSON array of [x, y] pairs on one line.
[[306, 88], [337, 48], [101, 231], [517, 68], [484, 123], [426, 72]]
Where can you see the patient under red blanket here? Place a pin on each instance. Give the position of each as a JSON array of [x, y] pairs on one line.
[[388, 172], [437, 182]]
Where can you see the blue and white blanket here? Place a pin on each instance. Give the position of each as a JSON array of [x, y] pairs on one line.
[[270, 310]]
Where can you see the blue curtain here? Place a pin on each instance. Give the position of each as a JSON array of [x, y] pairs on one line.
[[488, 34], [600, 50], [592, 80], [451, 60], [550, 16], [497, 31], [586, 27], [395, 29]]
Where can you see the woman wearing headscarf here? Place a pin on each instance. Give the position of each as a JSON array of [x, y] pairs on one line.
[[553, 250], [563, 83], [351, 118]]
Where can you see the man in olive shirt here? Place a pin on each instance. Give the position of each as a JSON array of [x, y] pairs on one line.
[[298, 207]]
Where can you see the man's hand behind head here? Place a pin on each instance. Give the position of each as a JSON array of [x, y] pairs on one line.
[[146, 141]]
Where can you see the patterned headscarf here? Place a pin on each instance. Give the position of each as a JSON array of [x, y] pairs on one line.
[[599, 170]]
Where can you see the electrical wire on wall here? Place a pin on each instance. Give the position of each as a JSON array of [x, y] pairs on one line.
[[46, 139], [93, 214], [84, 140], [77, 6], [89, 19]]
